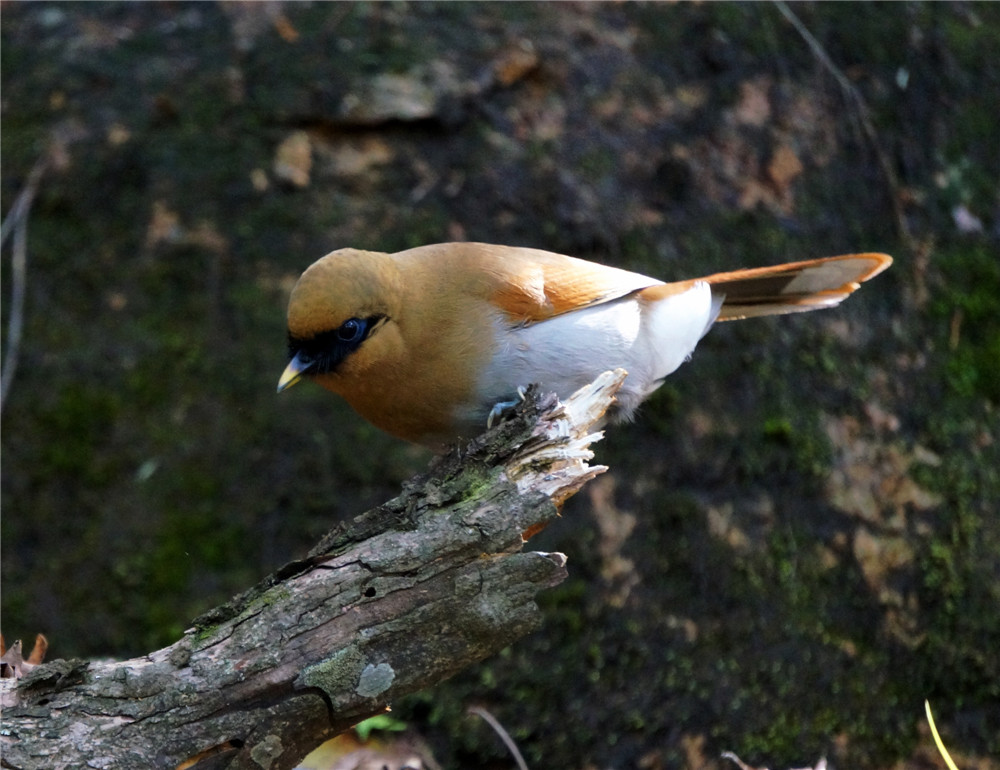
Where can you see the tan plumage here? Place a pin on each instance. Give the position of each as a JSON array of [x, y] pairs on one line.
[[423, 343]]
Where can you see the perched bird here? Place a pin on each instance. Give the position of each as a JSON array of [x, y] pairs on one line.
[[430, 343]]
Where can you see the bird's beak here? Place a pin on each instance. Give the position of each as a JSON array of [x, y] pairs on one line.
[[293, 373]]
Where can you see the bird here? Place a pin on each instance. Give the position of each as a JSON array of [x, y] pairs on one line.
[[432, 343]]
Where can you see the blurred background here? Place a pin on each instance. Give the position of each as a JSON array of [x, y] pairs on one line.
[[798, 539]]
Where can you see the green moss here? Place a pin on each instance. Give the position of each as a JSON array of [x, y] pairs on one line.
[[337, 674], [82, 416], [957, 601], [967, 331]]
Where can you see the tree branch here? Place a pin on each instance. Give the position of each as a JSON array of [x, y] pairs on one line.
[[405, 596]]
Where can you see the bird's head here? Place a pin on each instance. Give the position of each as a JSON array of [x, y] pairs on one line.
[[340, 317]]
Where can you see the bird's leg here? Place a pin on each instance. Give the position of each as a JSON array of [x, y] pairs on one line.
[[502, 406]]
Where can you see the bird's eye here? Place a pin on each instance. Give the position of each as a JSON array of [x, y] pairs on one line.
[[351, 330]]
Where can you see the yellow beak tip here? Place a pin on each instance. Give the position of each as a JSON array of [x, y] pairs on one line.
[[289, 377]]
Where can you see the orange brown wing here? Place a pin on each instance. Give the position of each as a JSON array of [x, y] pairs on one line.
[[530, 285]]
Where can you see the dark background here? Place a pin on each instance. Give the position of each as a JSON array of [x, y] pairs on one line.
[[798, 539]]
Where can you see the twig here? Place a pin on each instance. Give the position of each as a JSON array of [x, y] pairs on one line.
[[738, 762], [498, 728], [864, 115], [19, 211], [17, 222], [937, 738]]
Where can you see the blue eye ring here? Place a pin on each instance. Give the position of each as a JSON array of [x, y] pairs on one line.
[[352, 330]]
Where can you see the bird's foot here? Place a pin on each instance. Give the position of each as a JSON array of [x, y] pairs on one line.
[[504, 406]]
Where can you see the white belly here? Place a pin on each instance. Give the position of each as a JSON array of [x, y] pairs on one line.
[[566, 352]]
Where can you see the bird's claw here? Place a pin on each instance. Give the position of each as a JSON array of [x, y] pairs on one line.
[[502, 406]]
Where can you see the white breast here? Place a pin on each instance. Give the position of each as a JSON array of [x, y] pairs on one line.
[[564, 353]]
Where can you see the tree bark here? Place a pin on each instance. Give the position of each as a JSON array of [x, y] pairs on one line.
[[403, 597]]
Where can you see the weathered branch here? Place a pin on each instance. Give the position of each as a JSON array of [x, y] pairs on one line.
[[405, 596]]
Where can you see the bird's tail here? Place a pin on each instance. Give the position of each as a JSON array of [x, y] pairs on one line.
[[795, 287]]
